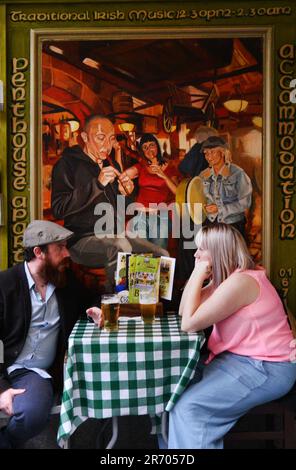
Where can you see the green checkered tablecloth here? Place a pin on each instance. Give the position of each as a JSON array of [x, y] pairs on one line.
[[140, 369]]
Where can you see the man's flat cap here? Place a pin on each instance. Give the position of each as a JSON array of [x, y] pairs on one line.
[[214, 141], [42, 232]]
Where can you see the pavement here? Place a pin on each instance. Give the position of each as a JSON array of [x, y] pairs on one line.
[[134, 433]]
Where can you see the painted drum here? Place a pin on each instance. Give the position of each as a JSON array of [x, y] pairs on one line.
[[195, 195], [190, 192]]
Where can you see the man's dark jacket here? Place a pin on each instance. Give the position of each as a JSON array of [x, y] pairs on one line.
[[194, 161], [15, 317], [76, 191]]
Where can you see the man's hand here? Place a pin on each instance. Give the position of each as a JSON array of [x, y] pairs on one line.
[[107, 175], [125, 185], [97, 315], [6, 399]]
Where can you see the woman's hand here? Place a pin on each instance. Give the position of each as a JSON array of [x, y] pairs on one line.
[[202, 269], [97, 315], [158, 171]]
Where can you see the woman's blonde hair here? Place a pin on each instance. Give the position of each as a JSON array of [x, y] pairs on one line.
[[227, 248]]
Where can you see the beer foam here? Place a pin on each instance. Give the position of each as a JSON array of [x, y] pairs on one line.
[[110, 301]]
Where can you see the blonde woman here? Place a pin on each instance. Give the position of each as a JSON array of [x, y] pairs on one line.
[[250, 345]]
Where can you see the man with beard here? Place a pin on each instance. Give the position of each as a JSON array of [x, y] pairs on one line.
[[85, 184], [39, 304]]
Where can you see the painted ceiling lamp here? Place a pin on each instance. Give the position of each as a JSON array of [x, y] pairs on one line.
[[126, 127], [74, 125], [257, 121], [236, 103]]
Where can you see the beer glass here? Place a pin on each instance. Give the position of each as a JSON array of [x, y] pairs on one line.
[[110, 309], [148, 301]]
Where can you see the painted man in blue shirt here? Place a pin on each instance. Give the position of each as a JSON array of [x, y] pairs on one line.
[[227, 187]]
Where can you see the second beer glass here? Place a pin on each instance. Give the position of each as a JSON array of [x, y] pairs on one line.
[[148, 302]]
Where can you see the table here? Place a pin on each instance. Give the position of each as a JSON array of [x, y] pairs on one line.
[[140, 369]]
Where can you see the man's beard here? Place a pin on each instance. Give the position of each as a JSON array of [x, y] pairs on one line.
[[56, 275]]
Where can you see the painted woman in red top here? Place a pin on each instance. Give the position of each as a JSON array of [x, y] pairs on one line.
[[157, 181]]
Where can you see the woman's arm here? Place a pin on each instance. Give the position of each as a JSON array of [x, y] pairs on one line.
[[194, 294], [205, 293], [118, 156], [170, 184], [236, 292], [157, 170]]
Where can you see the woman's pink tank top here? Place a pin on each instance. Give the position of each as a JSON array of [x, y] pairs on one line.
[[259, 330]]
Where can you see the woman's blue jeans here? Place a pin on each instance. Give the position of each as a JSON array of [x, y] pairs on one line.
[[231, 385]]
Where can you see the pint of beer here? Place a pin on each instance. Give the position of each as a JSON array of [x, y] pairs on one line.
[[148, 301], [110, 310]]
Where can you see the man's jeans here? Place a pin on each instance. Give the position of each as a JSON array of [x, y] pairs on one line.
[[31, 408]]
